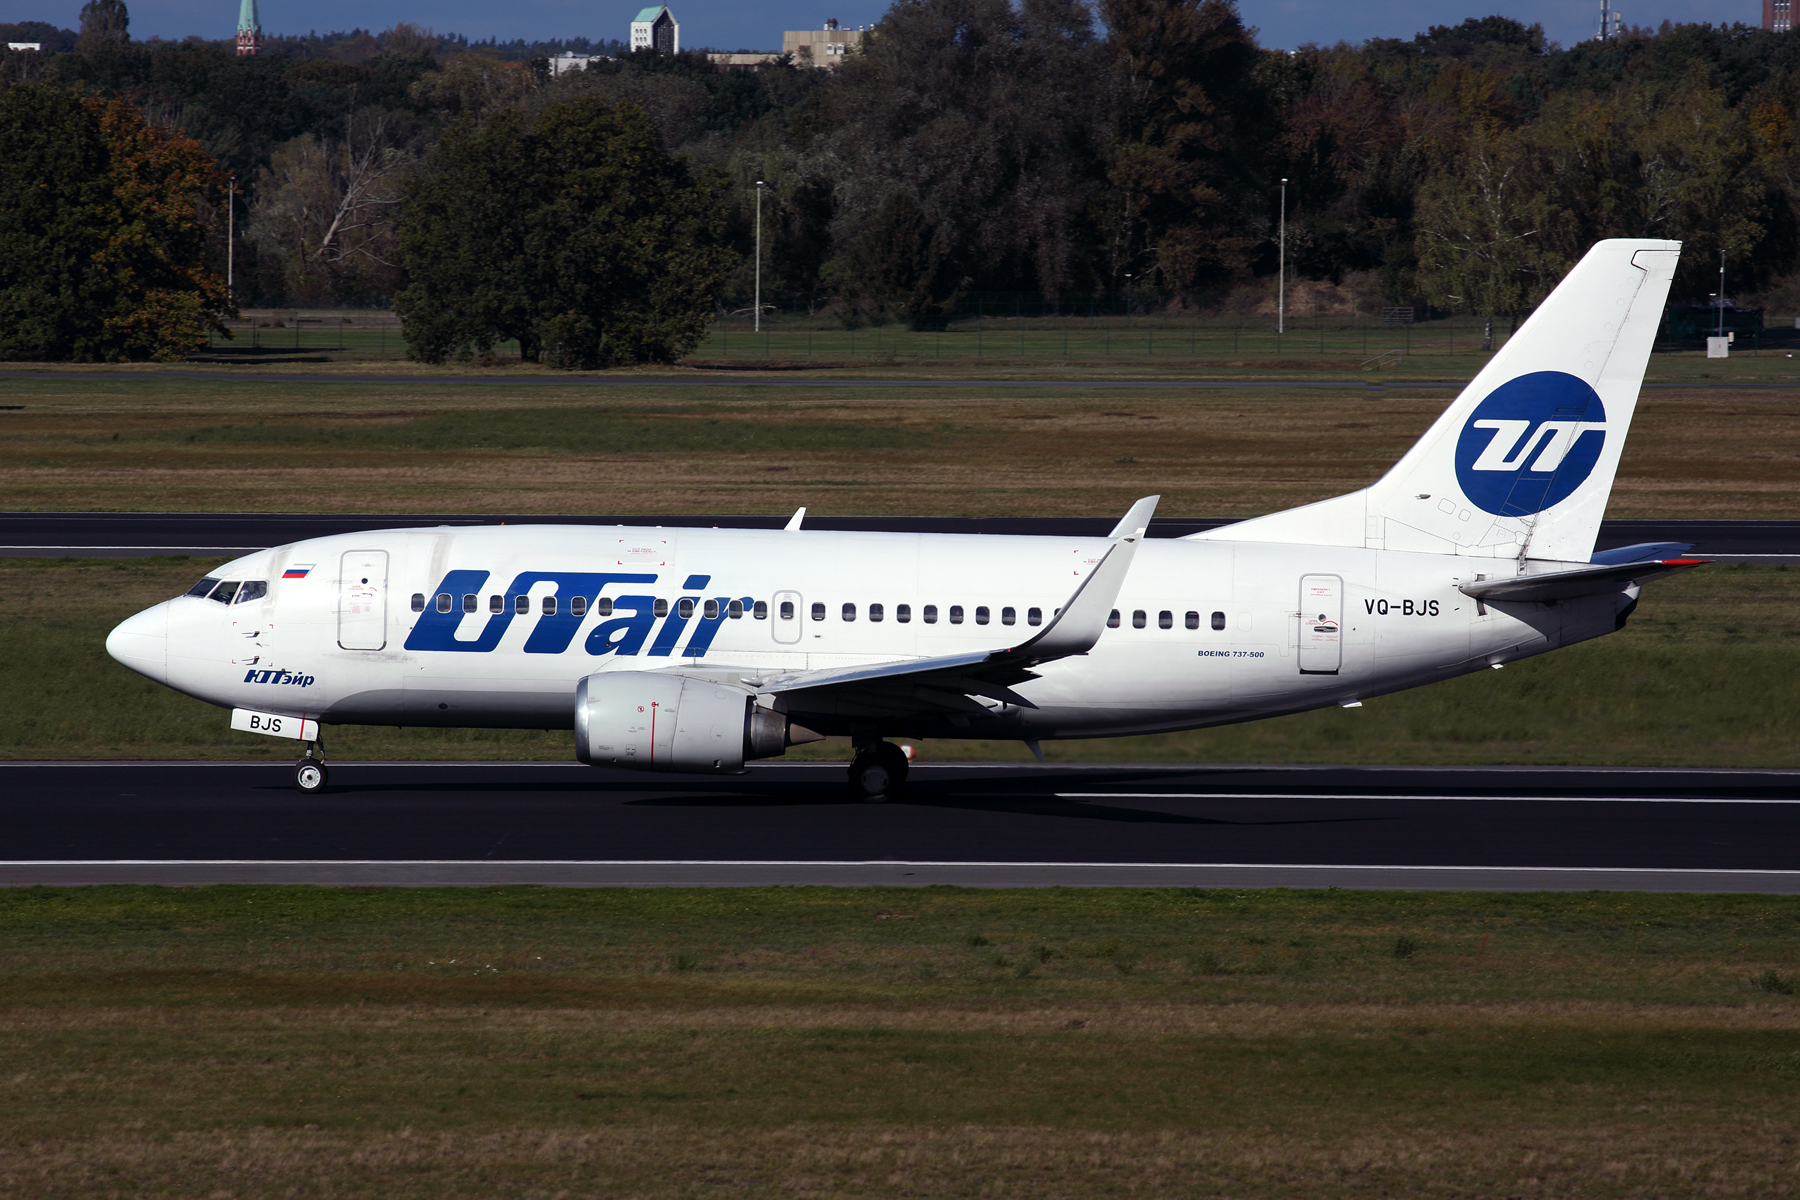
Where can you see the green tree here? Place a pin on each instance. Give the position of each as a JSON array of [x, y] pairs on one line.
[[326, 210], [1191, 126], [572, 232], [968, 134], [107, 228], [104, 24], [1491, 238]]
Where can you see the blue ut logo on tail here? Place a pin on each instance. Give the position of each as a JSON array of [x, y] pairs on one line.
[[1530, 444]]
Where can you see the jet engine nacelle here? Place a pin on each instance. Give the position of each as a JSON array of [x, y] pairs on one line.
[[654, 722]]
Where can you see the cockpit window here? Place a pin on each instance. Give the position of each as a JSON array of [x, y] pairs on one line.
[[204, 587], [252, 589], [225, 591]]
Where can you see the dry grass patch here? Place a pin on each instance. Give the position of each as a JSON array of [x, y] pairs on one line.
[[240, 1042], [431, 444]]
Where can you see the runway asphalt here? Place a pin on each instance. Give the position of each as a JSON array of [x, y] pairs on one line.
[[119, 535], [969, 824]]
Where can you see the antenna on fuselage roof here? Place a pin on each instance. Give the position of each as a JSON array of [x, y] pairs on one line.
[[794, 521]]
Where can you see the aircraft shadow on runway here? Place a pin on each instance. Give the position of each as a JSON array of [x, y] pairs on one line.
[[1032, 796]]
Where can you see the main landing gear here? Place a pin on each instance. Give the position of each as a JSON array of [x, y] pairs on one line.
[[878, 772], [310, 775]]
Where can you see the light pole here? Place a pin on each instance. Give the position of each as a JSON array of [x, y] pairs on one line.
[[1721, 291], [1281, 268], [230, 237], [759, 192], [1128, 298]]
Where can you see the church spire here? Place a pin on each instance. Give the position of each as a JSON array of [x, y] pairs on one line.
[[249, 36]]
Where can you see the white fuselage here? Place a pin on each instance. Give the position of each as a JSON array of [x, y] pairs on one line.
[[329, 646]]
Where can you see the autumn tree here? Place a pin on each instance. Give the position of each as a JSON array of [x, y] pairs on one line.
[[107, 223], [572, 231]]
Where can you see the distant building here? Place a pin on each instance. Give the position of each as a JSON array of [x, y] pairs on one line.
[[742, 58], [249, 38], [25, 46], [568, 60], [826, 47], [1778, 15], [656, 29]]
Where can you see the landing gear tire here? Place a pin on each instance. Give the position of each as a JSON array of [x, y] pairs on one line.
[[310, 775], [878, 772]]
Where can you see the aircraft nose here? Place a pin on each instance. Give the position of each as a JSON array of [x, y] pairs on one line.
[[142, 643]]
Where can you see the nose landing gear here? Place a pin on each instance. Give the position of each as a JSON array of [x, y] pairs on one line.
[[878, 772], [310, 775]]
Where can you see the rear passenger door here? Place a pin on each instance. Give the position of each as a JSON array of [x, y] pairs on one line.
[[1321, 624]]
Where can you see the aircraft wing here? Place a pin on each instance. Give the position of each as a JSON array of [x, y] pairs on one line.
[[946, 682], [1583, 581]]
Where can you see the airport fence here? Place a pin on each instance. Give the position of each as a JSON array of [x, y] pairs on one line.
[[985, 330]]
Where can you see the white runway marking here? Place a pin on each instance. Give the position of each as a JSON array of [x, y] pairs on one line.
[[1405, 796]]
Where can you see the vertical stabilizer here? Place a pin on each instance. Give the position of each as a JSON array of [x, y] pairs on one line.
[[1522, 463]]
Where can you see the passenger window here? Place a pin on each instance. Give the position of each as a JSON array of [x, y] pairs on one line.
[[418, 602], [662, 608], [1112, 621], [849, 612], [578, 605], [818, 611], [712, 610], [903, 613], [1138, 620], [495, 604], [735, 610], [956, 614], [876, 612], [930, 614], [224, 592], [1193, 620], [203, 588], [443, 602], [1009, 617], [521, 604], [1165, 619], [549, 606], [256, 589], [981, 615], [1034, 616], [603, 606], [1218, 621], [685, 607], [469, 600]]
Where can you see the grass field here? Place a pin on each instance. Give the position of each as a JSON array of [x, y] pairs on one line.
[[823, 1043], [437, 442], [1706, 674]]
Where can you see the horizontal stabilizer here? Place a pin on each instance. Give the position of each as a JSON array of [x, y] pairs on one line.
[[1642, 552], [1567, 585]]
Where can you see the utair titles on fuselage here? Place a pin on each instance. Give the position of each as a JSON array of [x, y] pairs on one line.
[[698, 649]]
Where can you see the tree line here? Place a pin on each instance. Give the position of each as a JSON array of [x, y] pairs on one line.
[[1057, 147]]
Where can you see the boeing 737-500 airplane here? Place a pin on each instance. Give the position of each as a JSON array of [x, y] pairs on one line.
[[694, 650]]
